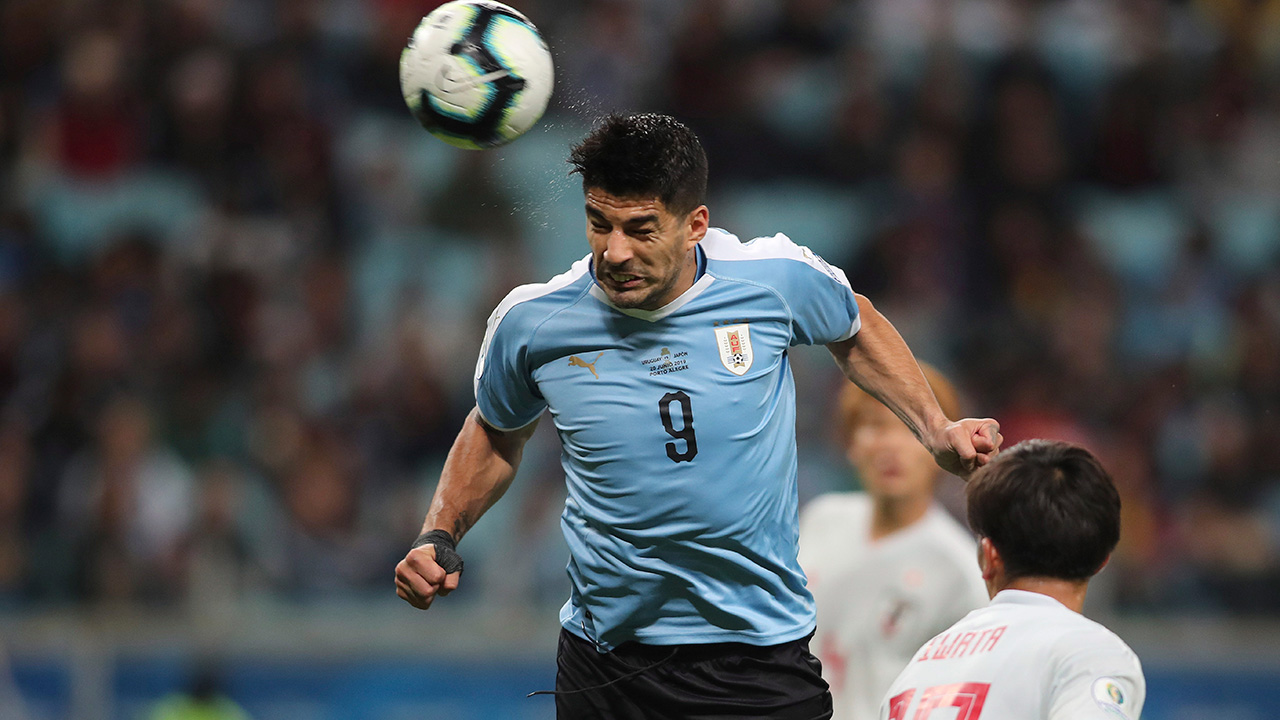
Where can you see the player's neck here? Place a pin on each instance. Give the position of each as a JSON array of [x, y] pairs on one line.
[[1068, 592], [889, 515], [687, 277]]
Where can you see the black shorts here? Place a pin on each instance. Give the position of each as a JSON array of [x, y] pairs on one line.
[[702, 682]]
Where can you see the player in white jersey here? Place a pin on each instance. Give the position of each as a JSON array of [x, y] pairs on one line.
[[1048, 517], [888, 567], [663, 359]]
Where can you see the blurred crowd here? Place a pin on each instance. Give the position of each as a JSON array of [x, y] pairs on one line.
[[241, 292]]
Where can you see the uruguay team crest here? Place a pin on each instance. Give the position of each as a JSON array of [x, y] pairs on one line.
[[735, 348]]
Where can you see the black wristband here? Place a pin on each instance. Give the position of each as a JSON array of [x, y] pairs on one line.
[[446, 549]]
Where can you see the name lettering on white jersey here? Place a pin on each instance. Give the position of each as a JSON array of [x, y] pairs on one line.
[[950, 645], [1037, 660]]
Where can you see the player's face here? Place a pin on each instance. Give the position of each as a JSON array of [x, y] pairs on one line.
[[643, 254], [889, 459]]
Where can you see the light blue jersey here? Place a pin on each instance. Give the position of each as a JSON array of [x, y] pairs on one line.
[[678, 434]]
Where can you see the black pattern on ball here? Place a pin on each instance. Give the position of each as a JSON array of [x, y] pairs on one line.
[[484, 130]]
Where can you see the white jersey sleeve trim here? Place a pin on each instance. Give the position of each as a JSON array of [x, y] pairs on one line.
[[524, 293], [721, 245], [498, 427], [853, 329]]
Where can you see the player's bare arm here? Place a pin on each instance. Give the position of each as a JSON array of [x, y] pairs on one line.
[[878, 360], [479, 469]]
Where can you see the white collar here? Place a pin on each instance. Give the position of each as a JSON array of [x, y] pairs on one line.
[[1010, 596], [655, 315]]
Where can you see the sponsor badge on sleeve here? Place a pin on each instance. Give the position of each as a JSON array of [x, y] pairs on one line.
[[1111, 697]]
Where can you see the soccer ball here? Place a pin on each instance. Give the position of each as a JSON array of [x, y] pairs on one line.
[[476, 74]]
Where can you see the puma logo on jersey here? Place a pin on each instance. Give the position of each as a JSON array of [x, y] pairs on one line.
[[575, 361]]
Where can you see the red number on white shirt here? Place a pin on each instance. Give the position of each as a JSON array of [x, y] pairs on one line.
[[898, 704], [969, 697]]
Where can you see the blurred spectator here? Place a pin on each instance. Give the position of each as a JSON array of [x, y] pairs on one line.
[[326, 547], [127, 503], [197, 121], [15, 466], [220, 558], [96, 130]]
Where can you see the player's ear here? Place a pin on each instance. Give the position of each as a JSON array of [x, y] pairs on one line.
[[698, 222], [989, 559]]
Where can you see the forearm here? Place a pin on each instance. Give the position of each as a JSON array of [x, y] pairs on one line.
[[479, 469], [878, 360]]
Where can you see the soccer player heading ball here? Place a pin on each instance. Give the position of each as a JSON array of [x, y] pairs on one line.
[[1048, 517], [662, 356]]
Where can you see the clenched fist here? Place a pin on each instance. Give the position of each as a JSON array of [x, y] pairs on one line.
[[431, 568]]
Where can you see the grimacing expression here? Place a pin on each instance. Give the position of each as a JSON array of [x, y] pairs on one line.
[[889, 459], [641, 251]]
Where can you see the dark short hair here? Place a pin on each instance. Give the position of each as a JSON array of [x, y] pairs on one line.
[[644, 155], [1048, 507]]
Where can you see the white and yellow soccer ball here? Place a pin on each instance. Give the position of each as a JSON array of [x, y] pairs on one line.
[[476, 74]]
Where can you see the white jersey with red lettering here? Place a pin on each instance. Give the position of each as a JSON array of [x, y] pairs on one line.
[[879, 601], [1025, 656]]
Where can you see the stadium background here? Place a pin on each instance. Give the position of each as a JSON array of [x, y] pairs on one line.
[[241, 294]]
